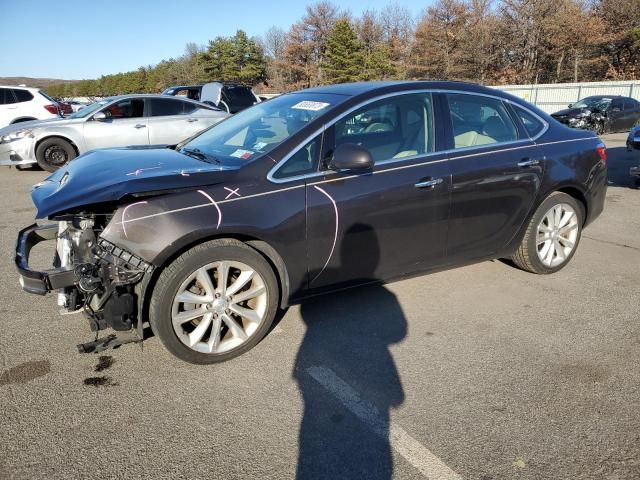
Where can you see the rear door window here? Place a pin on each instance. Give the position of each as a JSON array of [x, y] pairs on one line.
[[163, 107], [22, 95], [478, 120], [6, 96]]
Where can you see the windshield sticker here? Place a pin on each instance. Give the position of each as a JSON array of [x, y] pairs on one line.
[[244, 154], [309, 105], [259, 145]]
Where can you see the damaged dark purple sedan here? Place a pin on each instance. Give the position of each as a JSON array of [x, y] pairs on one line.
[[310, 192]]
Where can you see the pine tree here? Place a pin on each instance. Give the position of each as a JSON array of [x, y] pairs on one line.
[[344, 58], [235, 58]]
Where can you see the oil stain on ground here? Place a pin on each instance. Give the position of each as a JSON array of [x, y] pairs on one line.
[[102, 381], [25, 372], [104, 362]]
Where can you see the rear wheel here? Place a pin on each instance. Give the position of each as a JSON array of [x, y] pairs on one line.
[[53, 153], [214, 302], [552, 236]]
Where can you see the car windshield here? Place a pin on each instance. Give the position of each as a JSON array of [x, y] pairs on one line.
[[600, 103], [256, 131], [89, 109]]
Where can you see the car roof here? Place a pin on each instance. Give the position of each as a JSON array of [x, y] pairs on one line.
[[378, 87], [151, 95], [35, 89]]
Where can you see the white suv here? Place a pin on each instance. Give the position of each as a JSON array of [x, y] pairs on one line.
[[20, 104]]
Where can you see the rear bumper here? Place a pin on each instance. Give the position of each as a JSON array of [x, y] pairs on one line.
[[18, 152], [33, 281]]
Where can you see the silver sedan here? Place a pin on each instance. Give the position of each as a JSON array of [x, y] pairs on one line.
[[114, 122]]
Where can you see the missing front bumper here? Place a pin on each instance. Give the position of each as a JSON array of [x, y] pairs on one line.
[[40, 282]]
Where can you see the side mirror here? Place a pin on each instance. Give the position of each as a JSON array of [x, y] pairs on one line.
[[570, 105], [100, 116], [350, 156]]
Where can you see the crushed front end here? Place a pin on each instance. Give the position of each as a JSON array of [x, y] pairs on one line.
[[89, 274]]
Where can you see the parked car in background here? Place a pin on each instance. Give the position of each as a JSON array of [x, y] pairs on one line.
[[75, 105], [633, 143], [113, 122], [21, 104], [229, 96], [310, 192], [65, 107], [601, 114]]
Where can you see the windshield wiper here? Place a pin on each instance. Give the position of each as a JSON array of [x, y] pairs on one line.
[[197, 153]]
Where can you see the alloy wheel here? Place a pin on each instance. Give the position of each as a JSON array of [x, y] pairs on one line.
[[557, 234], [219, 307]]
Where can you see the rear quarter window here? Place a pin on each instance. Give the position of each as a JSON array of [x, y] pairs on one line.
[[22, 95], [531, 123]]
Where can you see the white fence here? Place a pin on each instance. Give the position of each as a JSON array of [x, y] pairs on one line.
[[552, 97]]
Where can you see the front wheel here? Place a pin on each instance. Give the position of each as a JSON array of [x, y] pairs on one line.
[[53, 153], [552, 236], [214, 302]]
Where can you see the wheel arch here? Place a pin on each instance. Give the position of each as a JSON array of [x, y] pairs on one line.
[[22, 119], [57, 135], [174, 251], [570, 189], [578, 195]]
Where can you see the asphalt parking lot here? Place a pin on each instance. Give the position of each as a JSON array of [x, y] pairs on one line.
[[482, 372]]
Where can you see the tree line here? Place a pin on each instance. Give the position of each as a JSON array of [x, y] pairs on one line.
[[485, 41]]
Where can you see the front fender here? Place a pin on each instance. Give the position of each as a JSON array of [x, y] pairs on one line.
[[156, 229]]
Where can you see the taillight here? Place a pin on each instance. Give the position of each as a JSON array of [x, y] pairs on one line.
[[602, 153], [51, 109]]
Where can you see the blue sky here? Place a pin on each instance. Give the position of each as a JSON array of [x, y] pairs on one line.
[[74, 39]]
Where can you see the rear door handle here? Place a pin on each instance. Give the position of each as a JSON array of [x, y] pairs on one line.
[[140, 125], [429, 183], [527, 162], [191, 120]]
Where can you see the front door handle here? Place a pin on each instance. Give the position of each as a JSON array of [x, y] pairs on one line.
[[191, 120], [429, 183], [139, 125], [527, 162]]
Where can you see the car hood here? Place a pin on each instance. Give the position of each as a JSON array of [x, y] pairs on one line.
[[51, 122], [569, 112], [108, 175]]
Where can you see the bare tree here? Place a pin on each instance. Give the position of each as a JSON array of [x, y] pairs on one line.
[[439, 40], [398, 29]]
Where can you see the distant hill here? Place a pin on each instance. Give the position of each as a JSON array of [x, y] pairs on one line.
[[32, 82]]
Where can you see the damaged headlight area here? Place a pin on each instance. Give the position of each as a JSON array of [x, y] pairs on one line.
[[90, 274], [17, 135]]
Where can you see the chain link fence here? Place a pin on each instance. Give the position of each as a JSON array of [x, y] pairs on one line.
[[553, 97]]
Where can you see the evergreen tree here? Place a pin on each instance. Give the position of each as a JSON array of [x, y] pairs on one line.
[[237, 58], [379, 65], [344, 58]]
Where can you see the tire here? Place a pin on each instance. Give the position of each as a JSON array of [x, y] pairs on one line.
[[534, 253], [183, 277], [53, 153]]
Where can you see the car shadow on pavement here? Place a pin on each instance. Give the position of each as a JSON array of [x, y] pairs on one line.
[[619, 162], [347, 377]]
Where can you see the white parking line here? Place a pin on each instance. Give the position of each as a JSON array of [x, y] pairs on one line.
[[413, 451]]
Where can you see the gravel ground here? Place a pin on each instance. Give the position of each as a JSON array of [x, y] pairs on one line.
[[496, 372]]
